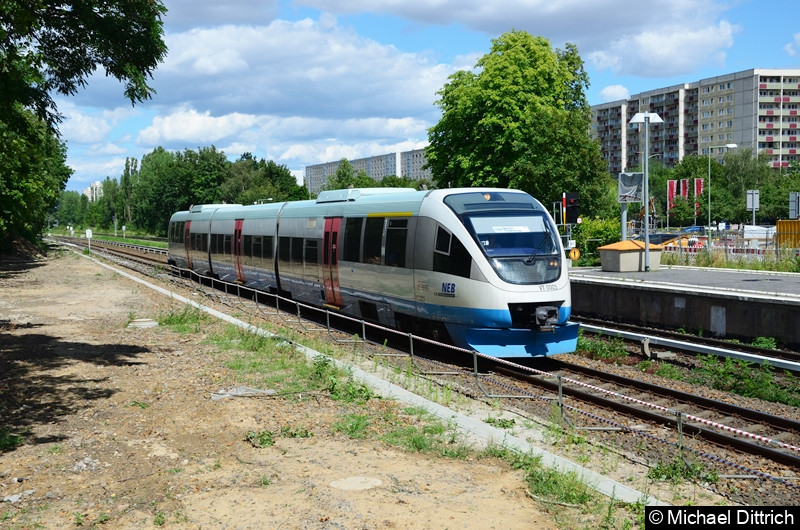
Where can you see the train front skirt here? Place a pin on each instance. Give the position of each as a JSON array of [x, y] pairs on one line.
[[511, 342]]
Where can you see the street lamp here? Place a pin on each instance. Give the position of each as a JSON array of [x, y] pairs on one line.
[[647, 118], [708, 184]]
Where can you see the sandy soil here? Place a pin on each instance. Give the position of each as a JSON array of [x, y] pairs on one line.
[[120, 430]]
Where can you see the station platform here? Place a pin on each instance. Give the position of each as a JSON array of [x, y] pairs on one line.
[[724, 303]]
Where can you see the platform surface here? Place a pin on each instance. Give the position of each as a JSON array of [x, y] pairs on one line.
[[784, 285]]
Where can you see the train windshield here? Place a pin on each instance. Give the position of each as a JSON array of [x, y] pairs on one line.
[[515, 234]]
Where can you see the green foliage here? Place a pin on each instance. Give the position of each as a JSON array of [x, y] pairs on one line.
[[609, 349], [593, 233], [261, 439], [347, 176], [765, 342], [147, 195], [746, 379], [8, 440], [48, 49], [353, 425], [679, 469], [349, 391], [34, 172], [521, 122]]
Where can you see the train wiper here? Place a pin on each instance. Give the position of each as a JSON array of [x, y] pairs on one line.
[[536, 251]]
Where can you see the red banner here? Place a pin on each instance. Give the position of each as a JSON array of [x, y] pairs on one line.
[[698, 191], [672, 189], [685, 189]]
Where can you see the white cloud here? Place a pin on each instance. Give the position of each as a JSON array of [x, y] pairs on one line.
[[614, 93], [188, 125], [663, 52], [791, 47]]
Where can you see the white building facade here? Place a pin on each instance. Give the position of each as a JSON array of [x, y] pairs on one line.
[[755, 108]]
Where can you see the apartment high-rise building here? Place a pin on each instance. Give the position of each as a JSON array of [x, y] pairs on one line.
[[376, 167], [755, 108]]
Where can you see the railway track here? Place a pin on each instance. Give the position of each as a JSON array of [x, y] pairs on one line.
[[688, 419]]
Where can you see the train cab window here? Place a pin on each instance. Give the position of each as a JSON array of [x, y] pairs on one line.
[[396, 236], [352, 239], [450, 256], [373, 238], [176, 232]]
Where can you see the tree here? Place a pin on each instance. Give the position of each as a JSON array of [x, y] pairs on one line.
[[347, 176], [523, 122], [51, 46], [33, 174]]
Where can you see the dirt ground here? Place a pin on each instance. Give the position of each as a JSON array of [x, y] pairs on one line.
[[120, 430]]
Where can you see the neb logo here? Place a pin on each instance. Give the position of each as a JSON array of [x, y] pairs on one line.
[[448, 288]]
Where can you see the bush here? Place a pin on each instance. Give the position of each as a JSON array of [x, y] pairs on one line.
[[594, 233]]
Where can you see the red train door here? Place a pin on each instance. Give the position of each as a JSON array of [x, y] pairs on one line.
[[237, 250], [187, 244], [330, 261]]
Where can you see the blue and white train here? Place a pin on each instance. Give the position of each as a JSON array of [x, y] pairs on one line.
[[481, 268]]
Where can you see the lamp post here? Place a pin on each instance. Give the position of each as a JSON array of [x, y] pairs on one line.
[[647, 118], [708, 186]]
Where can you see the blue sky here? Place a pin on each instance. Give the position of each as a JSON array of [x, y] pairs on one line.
[[310, 81]]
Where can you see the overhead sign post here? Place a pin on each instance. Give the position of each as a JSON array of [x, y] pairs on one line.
[[629, 189], [752, 203]]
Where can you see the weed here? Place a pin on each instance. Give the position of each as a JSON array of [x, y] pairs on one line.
[[261, 438], [187, 320], [295, 432], [608, 349], [353, 425], [8, 440], [501, 423], [746, 379], [349, 392], [679, 469], [765, 342], [140, 404], [79, 518], [159, 519], [264, 481], [669, 371]]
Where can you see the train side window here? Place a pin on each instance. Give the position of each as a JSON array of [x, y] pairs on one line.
[[257, 241], [226, 244], [373, 238], [352, 239], [267, 247], [284, 258], [297, 255], [247, 248], [312, 252], [396, 236], [455, 259]]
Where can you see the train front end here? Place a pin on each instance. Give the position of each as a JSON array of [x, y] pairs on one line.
[[517, 301]]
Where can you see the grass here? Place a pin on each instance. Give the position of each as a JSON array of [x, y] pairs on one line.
[[719, 259], [679, 469], [747, 379], [608, 349]]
